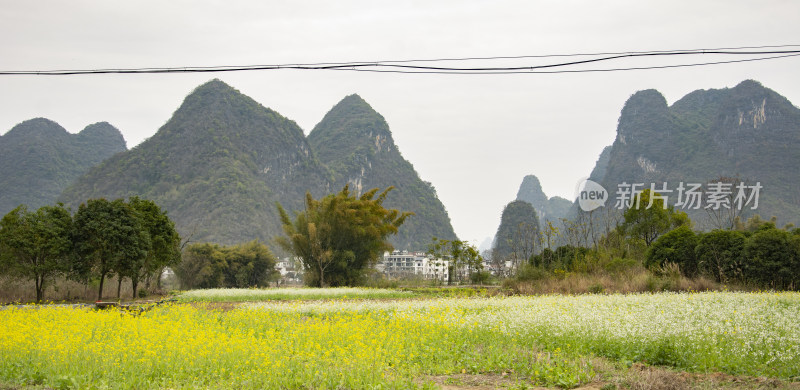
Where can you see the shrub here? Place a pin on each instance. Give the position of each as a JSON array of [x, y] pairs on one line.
[[211, 266], [677, 246], [719, 254], [528, 272], [479, 277], [619, 265], [772, 258]]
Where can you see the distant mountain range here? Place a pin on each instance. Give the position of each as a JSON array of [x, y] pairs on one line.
[[222, 161], [220, 164], [39, 158], [747, 133], [548, 209]]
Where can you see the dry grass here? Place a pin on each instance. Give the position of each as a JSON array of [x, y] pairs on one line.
[[16, 290], [632, 281]]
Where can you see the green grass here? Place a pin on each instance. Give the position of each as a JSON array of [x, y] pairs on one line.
[[288, 294]]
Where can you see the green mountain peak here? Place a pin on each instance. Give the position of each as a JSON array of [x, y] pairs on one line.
[[39, 158], [355, 143], [217, 166], [748, 132]]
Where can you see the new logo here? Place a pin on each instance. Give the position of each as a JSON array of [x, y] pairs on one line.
[[591, 195]]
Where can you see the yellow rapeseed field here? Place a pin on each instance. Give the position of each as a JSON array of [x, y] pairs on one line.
[[395, 344]]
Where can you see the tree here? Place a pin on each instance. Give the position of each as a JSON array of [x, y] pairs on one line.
[[339, 236], [109, 238], [208, 265], [249, 265], [202, 266], [719, 253], [459, 254], [36, 245], [677, 246], [727, 212], [648, 218], [164, 241], [772, 258]]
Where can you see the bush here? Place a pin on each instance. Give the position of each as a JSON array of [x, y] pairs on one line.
[[772, 259], [564, 257], [619, 265], [529, 273], [213, 266], [719, 254], [677, 246], [479, 277], [596, 288]]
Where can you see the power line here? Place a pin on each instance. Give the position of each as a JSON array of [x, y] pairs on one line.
[[420, 66], [532, 71]]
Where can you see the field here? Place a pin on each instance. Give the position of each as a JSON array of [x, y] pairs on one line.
[[512, 342], [288, 294]]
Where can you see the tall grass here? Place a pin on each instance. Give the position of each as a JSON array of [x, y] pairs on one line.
[[632, 280]]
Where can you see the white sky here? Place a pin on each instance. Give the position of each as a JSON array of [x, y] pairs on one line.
[[473, 137]]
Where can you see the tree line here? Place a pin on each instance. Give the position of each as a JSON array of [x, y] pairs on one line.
[[754, 252], [134, 240], [207, 265]]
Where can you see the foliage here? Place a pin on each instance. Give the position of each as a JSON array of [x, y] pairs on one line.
[[164, 248], [720, 253], [209, 265], [355, 143], [564, 257], [772, 258], [678, 247], [340, 236], [460, 255], [109, 238], [648, 218], [36, 245]]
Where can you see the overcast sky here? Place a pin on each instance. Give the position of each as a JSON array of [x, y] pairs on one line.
[[474, 137]]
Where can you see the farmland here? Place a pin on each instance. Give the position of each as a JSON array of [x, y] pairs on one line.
[[551, 340]]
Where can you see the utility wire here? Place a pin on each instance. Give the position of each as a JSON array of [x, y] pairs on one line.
[[410, 66], [533, 71]]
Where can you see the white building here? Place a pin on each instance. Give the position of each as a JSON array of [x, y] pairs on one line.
[[405, 263], [290, 269]]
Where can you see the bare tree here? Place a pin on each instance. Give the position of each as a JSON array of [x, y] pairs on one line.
[[725, 210]]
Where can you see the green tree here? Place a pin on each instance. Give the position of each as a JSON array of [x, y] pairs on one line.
[[719, 253], [461, 255], [164, 248], [109, 238], [648, 219], [772, 258], [36, 245], [677, 246], [208, 265], [203, 265], [249, 265], [339, 236]]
